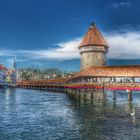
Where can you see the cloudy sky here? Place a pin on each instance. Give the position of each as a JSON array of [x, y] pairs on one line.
[[46, 33]]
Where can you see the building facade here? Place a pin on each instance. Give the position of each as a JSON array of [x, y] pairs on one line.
[[11, 77], [3, 75]]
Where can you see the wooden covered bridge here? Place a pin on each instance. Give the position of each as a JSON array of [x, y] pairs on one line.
[[110, 78]]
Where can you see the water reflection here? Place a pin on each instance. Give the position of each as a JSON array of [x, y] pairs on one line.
[[41, 115], [109, 114]]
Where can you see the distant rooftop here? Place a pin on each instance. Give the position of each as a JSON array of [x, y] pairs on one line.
[[2, 67]]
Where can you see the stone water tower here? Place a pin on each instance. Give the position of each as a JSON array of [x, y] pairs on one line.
[[93, 48]]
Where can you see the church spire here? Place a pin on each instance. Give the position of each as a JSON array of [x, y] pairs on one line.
[[14, 63]]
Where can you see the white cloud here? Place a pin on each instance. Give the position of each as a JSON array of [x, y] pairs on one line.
[[65, 50], [120, 4], [4, 52], [10, 60], [122, 46]]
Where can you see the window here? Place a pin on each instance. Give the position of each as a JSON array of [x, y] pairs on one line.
[[137, 80]]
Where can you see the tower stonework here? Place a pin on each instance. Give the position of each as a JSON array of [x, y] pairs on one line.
[[93, 48]]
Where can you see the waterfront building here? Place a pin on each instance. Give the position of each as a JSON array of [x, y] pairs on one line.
[[3, 74], [11, 75]]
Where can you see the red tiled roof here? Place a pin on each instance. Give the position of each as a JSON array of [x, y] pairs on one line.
[[93, 37], [113, 71], [43, 82], [2, 67]]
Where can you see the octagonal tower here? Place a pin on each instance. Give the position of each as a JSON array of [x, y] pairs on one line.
[[93, 48]]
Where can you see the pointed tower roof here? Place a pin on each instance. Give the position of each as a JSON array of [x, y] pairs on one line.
[[14, 64], [93, 37]]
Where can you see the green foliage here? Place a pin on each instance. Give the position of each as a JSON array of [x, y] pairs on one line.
[[33, 74], [26, 75]]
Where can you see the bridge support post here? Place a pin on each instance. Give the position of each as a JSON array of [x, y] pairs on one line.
[[114, 95], [129, 95], [85, 96], [88, 95], [92, 95], [82, 95], [79, 94]]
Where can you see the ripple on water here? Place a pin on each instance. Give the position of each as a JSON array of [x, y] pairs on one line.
[[33, 114]]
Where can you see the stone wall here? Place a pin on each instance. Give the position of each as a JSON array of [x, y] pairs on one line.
[[92, 59]]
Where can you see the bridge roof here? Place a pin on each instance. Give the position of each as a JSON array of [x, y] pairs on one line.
[[42, 82], [99, 71], [93, 37], [110, 71]]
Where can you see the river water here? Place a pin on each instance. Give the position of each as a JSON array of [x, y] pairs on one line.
[[42, 115]]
